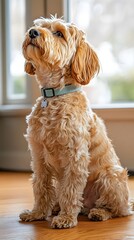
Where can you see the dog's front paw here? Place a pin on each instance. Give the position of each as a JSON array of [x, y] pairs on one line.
[[64, 221], [27, 215]]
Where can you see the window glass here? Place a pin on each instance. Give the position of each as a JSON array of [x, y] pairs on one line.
[[16, 81], [109, 27]]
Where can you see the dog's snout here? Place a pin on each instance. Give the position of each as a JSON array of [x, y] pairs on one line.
[[33, 33]]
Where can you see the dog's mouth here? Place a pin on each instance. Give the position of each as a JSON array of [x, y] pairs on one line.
[[33, 45]]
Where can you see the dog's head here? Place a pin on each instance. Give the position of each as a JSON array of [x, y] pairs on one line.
[[59, 45]]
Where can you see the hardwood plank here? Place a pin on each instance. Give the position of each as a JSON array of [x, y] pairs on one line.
[[16, 195]]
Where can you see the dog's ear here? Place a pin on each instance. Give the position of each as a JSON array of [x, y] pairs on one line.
[[85, 63], [29, 68]]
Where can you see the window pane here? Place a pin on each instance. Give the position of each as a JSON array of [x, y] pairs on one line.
[[109, 27], [16, 86]]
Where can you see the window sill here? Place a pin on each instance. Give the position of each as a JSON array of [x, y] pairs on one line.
[[107, 112], [115, 112], [14, 110]]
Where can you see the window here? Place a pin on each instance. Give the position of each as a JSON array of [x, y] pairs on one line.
[[16, 16], [109, 27], [13, 28]]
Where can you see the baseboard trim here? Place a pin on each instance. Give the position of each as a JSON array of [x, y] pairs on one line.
[[20, 161], [15, 161]]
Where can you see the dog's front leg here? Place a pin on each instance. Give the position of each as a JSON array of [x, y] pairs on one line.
[[44, 195], [72, 184], [43, 188]]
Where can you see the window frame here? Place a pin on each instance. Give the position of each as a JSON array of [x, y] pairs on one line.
[[5, 58], [33, 10]]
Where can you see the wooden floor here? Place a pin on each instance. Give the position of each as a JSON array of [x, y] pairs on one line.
[[16, 195]]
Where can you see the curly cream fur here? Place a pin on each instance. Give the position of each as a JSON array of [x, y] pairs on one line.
[[73, 161]]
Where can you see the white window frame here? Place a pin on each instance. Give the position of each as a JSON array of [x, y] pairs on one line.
[[5, 57], [33, 10]]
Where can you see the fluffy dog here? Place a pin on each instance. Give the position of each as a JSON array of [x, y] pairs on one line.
[[73, 160]]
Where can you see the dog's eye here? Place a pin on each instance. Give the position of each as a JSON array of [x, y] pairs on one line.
[[58, 34]]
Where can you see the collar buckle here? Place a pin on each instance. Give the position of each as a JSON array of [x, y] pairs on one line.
[[48, 92]]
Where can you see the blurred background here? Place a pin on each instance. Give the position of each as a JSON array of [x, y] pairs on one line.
[[109, 27]]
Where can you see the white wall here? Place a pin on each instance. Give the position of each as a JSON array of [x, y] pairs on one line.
[[120, 128], [14, 153]]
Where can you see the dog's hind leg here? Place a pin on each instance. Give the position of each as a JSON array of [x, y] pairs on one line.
[[113, 200], [109, 178]]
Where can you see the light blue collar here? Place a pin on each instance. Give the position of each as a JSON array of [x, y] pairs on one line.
[[51, 92]]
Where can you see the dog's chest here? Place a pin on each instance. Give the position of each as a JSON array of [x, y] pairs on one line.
[[44, 125], [44, 122], [57, 127]]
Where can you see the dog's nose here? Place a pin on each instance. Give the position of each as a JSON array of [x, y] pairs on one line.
[[33, 33]]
